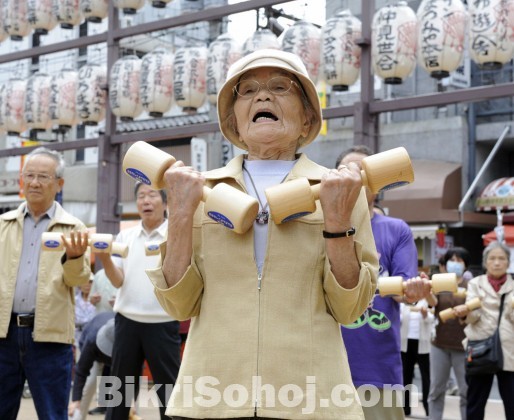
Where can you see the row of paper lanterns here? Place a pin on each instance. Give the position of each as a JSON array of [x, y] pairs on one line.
[[19, 17], [194, 74], [434, 37], [64, 99]]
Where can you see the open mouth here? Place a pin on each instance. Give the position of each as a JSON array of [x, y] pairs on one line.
[[264, 116]]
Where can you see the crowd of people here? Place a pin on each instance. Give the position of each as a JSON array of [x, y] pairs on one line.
[[286, 318]]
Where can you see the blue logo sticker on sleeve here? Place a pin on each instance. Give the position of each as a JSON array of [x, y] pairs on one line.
[[218, 217], [138, 175]]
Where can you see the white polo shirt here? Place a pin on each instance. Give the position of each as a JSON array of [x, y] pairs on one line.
[[135, 299]]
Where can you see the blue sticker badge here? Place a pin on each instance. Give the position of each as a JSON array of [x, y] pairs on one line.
[[100, 245], [218, 217], [153, 247], [52, 244], [295, 216], [394, 185], [138, 175]]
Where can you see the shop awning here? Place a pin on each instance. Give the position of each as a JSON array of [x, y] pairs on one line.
[[424, 231], [508, 232], [433, 197], [498, 194]]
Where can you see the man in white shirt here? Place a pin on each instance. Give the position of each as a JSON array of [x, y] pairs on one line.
[[143, 330]]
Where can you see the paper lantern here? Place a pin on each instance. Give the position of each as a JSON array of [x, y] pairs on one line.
[[159, 4], [40, 16], [94, 10], [37, 102], [14, 116], [441, 32], [91, 94], [489, 43], [63, 99], [129, 7], [262, 38], [15, 19], [223, 52], [304, 40], [393, 42], [189, 77], [341, 56], [124, 88], [67, 13], [156, 84]]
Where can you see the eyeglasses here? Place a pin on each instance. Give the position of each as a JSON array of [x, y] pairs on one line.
[[28, 177], [151, 195], [280, 85]]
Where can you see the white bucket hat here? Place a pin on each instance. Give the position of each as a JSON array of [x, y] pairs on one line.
[[266, 58], [105, 338]]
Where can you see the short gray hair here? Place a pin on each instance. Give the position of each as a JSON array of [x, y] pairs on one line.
[[43, 151], [495, 245]]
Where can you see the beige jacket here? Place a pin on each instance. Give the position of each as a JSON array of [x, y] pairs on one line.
[[55, 302], [482, 322], [250, 345]]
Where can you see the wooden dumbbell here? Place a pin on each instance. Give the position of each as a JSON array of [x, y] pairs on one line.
[[104, 243], [119, 250], [461, 292], [380, 172], [52, 241], [447, 314], [152, 248], [395, 286], [101, 243], [225, 204]]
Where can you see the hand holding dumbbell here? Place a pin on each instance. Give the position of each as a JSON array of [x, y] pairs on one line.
[[75, 246], [103, 243], [380, 172], [395, 286], [452, 313], [224, 204]]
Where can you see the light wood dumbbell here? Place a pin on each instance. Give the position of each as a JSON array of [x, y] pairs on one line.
[[472, 304], [225, 204], [395, 286], [52, 241], [380, 172], [461, 292], [104, 243]]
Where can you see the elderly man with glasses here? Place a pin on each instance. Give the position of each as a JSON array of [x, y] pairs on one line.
[[37, 308]]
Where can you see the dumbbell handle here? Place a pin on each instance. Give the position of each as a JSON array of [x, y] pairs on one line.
[[472, 304]]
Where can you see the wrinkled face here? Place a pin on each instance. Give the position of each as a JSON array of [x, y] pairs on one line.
[[40, 185], [357, 158], [150, 206], [496, 262], [276, 120]]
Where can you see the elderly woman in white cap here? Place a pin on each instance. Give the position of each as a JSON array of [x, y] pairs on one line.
[[265, 305]]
